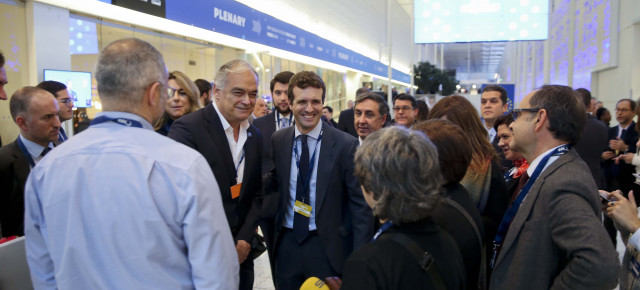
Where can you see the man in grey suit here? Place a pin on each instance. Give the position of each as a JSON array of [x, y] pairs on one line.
[[552, 237], [322, 215]]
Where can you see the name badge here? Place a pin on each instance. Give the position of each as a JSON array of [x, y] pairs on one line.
[[302, 208], [235, 190]]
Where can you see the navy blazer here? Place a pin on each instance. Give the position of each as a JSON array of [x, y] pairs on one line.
[[267, 125], [344, 221], [202, 130], [346, 122], [14, 170], [621, 172], [589, 147]]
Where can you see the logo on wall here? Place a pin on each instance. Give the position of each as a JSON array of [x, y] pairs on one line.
[[152, 7]]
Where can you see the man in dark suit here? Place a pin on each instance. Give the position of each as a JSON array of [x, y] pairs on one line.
[[65, 103], [346, 119], [233, 148], [35, 111], [322, 215], [594, 138], [280, 118], [622, 139], [494, 103], [553, 238]]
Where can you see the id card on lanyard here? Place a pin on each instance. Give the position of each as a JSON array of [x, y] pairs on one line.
[[235, 189]]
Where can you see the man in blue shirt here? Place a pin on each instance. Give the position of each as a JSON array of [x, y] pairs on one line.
[[136, 210], [35, 111]]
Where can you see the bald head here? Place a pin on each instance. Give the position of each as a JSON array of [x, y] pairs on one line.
[[126, 69]]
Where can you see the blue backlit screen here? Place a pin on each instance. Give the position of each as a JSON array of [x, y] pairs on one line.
[[78, 83], [442, 21]]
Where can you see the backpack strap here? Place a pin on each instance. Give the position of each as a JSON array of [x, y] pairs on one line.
[[424, 258]]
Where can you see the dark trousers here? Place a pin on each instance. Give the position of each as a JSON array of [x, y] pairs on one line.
[[297, 262], [246, 274]]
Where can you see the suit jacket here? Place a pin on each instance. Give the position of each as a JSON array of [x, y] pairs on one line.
[[14, 170], [267, 125], [385, 264], [589, 147], [621, 173], [345, 122], [556, 240], [344, 221], [202, 130]]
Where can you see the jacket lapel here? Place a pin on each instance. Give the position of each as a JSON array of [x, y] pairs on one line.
[[216, 132], [528, 203], [326, 161]]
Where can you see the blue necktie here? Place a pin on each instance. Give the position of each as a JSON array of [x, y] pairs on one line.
[[301, 222], [62, 136]]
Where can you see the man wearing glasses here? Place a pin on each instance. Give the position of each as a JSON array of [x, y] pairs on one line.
[[405, 109], [65, 103], [554, 222]]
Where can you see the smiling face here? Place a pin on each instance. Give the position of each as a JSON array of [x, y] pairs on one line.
[[504, 136], [238, 97], [307, 108], [178, 104]]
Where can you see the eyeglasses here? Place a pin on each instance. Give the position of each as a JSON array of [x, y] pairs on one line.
[[516, 112], [66, 101], [405, 108]]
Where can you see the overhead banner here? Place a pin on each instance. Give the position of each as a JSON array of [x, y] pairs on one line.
[[238, 20]]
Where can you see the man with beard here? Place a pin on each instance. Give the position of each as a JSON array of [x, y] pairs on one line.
[[280, 118]]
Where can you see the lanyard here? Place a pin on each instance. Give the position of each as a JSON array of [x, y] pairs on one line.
[[311, 162], [238, 166], [278, 120], [26, 153], [513, 210], [119, 121], [383, 228]]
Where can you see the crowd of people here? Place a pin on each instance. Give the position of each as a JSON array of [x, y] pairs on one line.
[[172, 179]]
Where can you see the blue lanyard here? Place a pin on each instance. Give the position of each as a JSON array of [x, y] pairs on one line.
[[237, 167], [513, 210], [26, 152], [119, 121], [313, 158], [383, 228], [278, 119]]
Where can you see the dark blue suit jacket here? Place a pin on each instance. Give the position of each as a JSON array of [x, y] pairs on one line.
[[621, 173], [267, 125], [344, 220], [202, 131]]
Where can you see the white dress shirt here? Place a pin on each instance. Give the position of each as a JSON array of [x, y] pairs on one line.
[[237, 148], [120, 207], [314, 146]]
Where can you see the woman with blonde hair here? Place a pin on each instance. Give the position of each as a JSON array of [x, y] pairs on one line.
[[185, 100]]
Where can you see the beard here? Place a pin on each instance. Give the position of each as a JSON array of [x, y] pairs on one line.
[[285, 111]]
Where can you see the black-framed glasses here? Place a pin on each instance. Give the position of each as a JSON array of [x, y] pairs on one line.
[[516, 112]]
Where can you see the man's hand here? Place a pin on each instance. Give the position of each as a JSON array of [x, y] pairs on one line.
[[618, 144], [243, 248], [625, 158], [334, 283], [624, 211], [607, 155]]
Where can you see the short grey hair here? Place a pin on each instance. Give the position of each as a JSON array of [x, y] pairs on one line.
[[20, 102], [400, 168], [234, 66], [125, 69]]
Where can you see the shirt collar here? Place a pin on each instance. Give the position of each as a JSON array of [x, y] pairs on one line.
[[360, 140], [116, 114], [244, 125], [315, 133], [34, 149], [536, 162]]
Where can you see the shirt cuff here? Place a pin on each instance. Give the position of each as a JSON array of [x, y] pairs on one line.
[[635, 240]]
